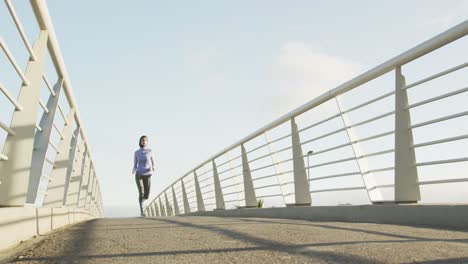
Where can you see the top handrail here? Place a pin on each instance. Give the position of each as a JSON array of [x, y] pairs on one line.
[[418, 51], [45, 23]]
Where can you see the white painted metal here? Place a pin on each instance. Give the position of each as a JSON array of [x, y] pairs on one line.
[[249, 191], [20, 29], [168, 206], [174, 199], [200, 202], [217, 187], [401, 117], [18, 148], [18, 107], [41, 144], [72, 158], [185, 198], [301, 184], [406, 174]]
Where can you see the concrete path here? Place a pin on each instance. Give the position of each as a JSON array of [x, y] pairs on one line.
[[244, 240]]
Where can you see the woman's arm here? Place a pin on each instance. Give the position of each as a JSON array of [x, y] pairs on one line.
[[134, 163], [152, 161]]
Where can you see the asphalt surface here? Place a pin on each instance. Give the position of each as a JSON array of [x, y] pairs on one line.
[[243, 240]]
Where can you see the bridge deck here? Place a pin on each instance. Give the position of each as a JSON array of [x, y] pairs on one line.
[[244, 240]]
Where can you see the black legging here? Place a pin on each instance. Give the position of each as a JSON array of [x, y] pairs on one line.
[[143, 184]]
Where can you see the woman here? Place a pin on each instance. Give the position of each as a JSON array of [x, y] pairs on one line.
[[143, 167]]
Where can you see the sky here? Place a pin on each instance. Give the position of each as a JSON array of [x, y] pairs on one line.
[[196, 76]]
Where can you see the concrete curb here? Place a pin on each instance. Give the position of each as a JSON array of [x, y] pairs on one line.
[[22, 223], [440, 216]]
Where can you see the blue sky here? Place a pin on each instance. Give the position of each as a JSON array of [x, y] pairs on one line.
[[195, 76]]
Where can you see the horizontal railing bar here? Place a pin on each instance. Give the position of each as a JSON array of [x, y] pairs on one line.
[[204, 186], [272, 175], [350, 143], [233, 159], [324, 136], [445, 140], [207, 192], [328, 149], [48, 85], [231, 185], [376, 153], [230, 193], [340, 189], [38, 128], [268, 143], [374, 137], [331, 162], [372, 119], [20, 29], [369, 102], [58, 131], [443, 181], [43, 106], [259, 158], [418, 51], [270, 195], [200, 181], [271, 165], [441, 162], [205, 172], [441, 119], [319, 122], [267, 186], [381, 186], [436, 98], [18, 107], [62, 114], [440, 74], [231, 201], [13, 62], [379, 170], [335, 176], [232, 168], [7, 129], [3, 156], [231, 177]]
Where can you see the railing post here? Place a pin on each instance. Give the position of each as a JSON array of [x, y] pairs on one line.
[[84, 179], [406, 173], [156, 208], [73, 156], [82, 173], [301, 184], [59, 173], [89, 189], [217, 188], [168, 206], [249, 191], [151, 210], [14, 178], [41, 143], [200, 203], [185, 198], [74, 185], [174, 198], [163, 212]]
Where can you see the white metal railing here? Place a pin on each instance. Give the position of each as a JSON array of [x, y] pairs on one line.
[[68, 182], [252, 169]]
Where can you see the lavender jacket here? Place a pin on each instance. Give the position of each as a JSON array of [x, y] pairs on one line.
[[143, 162]]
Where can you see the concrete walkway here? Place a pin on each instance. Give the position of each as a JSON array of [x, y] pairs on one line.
[[244, 240]]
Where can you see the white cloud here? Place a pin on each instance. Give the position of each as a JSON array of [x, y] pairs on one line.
[[302, 72]]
